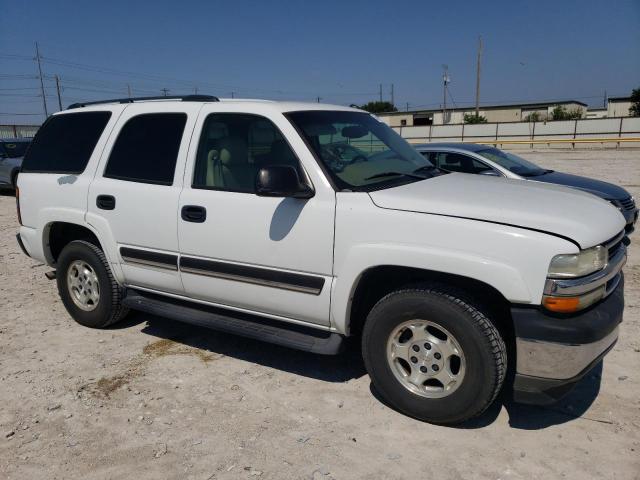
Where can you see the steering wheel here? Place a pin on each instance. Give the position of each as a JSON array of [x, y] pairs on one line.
[[358, 159]]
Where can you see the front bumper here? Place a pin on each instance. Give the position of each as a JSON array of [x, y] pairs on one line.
[[631, 217], [555, 352]]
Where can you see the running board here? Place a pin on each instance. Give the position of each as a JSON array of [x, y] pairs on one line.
[[252, 326]]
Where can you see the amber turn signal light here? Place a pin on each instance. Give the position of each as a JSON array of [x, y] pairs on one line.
[[561, 304]]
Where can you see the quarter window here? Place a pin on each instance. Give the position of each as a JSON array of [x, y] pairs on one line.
[[65, 143], [234, 147], [146, 149]]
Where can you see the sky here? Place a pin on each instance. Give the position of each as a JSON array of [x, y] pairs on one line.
[[340, 51]]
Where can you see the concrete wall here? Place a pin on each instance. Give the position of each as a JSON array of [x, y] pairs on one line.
[[493, 115], [503, 133], [18, 131]]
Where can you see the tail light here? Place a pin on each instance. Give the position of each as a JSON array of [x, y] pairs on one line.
[[18, 205]]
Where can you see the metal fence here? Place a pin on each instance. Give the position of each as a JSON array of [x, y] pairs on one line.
[[609, 132], [18, 131]]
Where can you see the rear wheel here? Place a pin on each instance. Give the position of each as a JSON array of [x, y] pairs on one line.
[[432, 355], [87, 287]]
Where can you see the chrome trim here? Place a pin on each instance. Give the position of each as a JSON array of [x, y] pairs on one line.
[[610, 243], [558, 360], [149, 263], [251, 280], [232, 308], [582, 285]]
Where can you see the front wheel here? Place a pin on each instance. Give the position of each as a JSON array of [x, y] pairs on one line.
[[432, 355]]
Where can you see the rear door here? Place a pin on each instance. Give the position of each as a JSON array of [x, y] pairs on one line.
[[134, 195]]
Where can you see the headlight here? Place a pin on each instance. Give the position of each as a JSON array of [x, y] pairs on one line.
[[578, 264]]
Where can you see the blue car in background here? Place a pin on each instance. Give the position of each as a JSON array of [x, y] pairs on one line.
[[12, 151], [487, 160]]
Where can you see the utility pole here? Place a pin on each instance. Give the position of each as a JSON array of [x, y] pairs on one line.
[[604, 100], [407, 106], [392, 99], [58, 90], [165, 91], [44, 99], [478, 77], [445, 80], [195, 90], [232, 95], [381, 92], [318, 99], [129, 90]]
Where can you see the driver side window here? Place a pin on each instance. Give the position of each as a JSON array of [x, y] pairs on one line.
[[234, 147]]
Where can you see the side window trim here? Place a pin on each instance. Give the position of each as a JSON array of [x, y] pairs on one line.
[[195, 164], [104, 132], [119, 131]]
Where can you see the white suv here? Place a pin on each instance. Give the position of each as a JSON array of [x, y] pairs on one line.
[[303, 224]]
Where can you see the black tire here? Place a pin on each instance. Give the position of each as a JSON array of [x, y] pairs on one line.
[[483, 347], [109, 308], [14, 179]]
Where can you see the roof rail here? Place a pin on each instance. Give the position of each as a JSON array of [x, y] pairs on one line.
[[184, 98]]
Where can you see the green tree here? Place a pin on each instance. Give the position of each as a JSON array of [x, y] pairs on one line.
[[532, 117], [561, 113], [634, 111], [473, 118], [575, 113], [379, 107]]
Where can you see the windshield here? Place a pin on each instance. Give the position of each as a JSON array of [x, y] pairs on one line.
[[14, 149], [359, 151], [512, 162]]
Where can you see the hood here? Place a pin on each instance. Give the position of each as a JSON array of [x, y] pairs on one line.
[[605, 190], [585, 219]]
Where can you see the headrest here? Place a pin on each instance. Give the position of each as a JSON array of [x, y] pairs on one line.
[[233, 150]]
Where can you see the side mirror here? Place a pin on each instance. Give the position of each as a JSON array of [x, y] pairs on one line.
[[281, 181]]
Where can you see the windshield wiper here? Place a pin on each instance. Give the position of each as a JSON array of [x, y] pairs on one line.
[[400, 174]]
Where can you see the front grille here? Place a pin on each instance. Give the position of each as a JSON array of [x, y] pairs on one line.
[[628, 203], [614, 244]]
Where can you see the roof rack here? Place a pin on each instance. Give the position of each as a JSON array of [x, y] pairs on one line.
[[184, 98]]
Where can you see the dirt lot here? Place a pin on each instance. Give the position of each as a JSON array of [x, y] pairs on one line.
[[155, 399]]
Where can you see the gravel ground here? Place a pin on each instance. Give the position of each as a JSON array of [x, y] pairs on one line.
[[155, 399]]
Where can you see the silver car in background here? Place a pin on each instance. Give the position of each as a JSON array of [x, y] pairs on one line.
[[12, 151]]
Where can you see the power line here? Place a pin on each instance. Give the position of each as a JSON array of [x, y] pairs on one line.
[[30, 114]]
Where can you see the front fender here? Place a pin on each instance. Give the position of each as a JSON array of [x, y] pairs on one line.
[[504, 278], [512, 260]]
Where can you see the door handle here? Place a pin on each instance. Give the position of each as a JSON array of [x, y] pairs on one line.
[[106, 202], [193, 213]]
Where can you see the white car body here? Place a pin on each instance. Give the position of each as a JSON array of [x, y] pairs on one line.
[[501, 233]]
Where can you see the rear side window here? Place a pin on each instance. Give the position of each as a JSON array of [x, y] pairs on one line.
[[146, 149], [65, 143]]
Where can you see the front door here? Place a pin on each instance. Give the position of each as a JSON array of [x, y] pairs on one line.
[[265, 255]]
